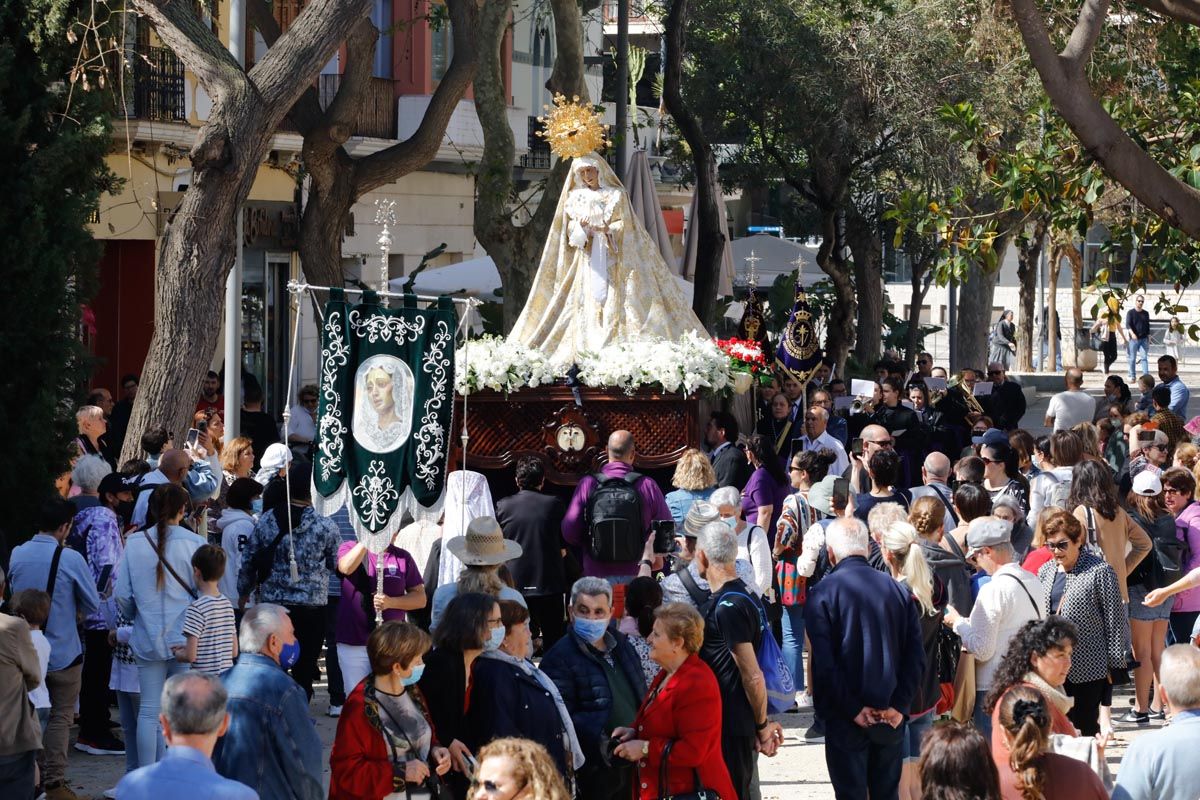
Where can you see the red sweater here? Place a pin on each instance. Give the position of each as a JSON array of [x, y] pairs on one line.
[[688, 710], [360, 764]]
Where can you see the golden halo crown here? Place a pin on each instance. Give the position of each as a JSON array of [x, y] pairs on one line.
[[572, 128]]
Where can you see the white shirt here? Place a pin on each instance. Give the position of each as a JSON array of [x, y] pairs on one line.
[[754, 547], [999, 612], [1071, 408], [301, 424], [40, 697], [827, 442]]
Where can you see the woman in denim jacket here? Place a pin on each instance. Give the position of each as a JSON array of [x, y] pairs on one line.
[[154, 587]]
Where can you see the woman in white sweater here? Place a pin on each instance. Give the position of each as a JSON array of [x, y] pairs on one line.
[[753, 545]]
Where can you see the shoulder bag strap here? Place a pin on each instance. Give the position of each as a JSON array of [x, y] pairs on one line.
[[163, 560], [946, 502], [53, 578], [1093, 538], [693, 588], [1036, 609]]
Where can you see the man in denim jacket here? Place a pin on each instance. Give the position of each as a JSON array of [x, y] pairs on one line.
[[272, 744]]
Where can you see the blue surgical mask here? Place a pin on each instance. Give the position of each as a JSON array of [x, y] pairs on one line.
[[411, 680], [495, 639], [590, 629], [731, 522], [256, 506], [289, 655]]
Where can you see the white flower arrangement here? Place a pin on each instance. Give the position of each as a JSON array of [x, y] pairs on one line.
[[491, 362], [684, 366]]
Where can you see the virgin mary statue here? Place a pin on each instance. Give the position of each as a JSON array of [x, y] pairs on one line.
[[601, 278]]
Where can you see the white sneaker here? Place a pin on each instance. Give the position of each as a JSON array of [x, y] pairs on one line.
[[804, 701], [111, 794], [334, 711]]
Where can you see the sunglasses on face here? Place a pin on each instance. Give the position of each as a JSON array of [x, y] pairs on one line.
[[922, 362], [1061, 544], [992, 372]]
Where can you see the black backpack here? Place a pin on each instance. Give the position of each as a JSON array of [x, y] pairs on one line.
[[614, 516]]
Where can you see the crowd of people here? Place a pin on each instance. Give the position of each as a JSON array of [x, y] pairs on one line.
[[951, 597]]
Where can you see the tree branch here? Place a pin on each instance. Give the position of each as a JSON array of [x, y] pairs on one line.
[[189, 38], [1083, 38], [1182, 10], [306, 114], [342, 116], [382, 167], [1176, 202], [303, 50], [565, 77]]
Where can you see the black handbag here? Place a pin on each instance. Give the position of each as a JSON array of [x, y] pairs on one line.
[[699, 793]]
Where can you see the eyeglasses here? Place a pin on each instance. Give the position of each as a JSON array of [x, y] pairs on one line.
[[1171, 490], [1161, 447], [921, 362], [794, 469], [992, 372], [882, 442], [987, 460], [1060, 544], [498, 622]]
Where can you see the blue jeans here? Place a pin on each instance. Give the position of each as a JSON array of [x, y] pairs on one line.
[[793, 643], [127, 706], [1132, 347], [151, 677], [915, 731], [1041, 361], [982, 719]]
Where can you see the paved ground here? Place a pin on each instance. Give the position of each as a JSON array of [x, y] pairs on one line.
[[797, 773]]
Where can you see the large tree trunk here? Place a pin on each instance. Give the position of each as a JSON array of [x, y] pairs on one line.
[[1051, 323], [863, 237], [710, 241], [840, 332], [516, 249], [1075, 259], [975, 296], [1030, 253], [919, 288], [198, 248]]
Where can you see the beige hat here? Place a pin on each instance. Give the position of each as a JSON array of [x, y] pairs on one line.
[[484, 544], [700, 514]]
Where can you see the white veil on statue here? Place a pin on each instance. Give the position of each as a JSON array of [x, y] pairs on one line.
[[467, 497], [592, 290]]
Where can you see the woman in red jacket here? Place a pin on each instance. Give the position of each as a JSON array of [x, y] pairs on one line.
[[682, 708], [385, 738]]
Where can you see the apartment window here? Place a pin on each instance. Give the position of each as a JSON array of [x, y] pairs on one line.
[[441, 50], [925, 317]]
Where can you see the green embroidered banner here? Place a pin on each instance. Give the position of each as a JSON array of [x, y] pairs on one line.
[[383, 420]]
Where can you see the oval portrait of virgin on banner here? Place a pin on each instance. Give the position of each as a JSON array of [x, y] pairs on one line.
[[383, 395]]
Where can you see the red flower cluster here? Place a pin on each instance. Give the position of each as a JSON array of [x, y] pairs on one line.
[[745, 355]]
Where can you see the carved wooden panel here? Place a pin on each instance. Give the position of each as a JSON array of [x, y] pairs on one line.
[[571, 439]]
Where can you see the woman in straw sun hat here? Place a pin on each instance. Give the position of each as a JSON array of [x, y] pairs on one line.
[[482, 550]]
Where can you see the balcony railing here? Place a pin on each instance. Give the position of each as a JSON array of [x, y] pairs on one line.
[[637, 12], [154, 85], [376, 114], [538, 156]]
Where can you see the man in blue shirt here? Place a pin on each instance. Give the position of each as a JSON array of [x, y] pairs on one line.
[[1162, 765], [271, 744], [43, 563], [193, 718], [1168, 370]]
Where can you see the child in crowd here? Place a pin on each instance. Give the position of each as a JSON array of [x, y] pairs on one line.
[[33, 606], [209, 631], [1145, 402]]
